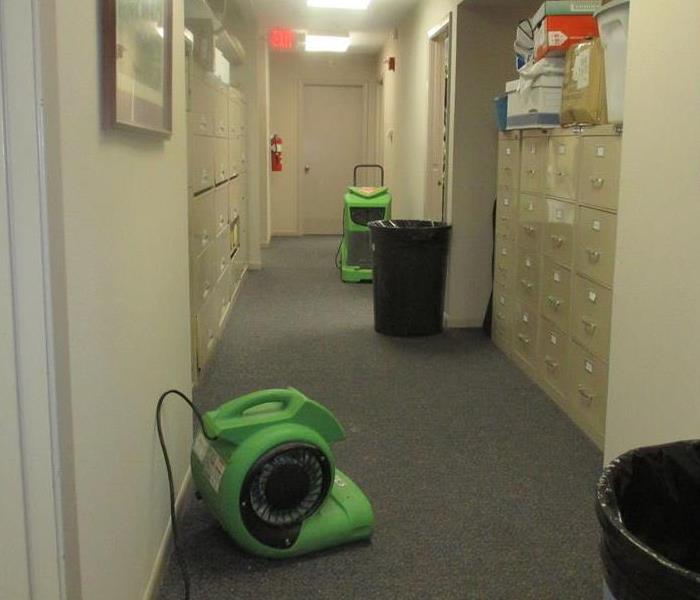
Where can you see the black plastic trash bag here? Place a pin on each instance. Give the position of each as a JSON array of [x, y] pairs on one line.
[[648, 506]]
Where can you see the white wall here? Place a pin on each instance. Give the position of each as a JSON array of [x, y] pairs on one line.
[[125, 325], [482, 61], [287, 71], [655, 348]]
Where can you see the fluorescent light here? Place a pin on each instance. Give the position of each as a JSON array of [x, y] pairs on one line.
[[326, 43], [347, 4]]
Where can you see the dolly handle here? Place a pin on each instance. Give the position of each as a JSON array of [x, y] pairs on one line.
[[374, 166]]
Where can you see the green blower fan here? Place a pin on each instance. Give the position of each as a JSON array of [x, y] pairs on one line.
[[362, 205], [269, 477]]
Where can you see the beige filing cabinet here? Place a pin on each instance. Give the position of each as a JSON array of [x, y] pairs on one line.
[[556, 225], [217, 206]]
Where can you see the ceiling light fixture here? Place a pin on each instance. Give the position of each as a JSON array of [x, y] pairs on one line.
[[346, 4], [326, 43]]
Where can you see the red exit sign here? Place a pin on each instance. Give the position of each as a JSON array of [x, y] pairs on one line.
[[281, 39]]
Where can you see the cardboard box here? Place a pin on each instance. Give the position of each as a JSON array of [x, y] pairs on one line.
[[556, 34], [565, 7], [584, 98]]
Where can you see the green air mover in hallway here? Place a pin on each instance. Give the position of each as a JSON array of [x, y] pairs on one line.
[[269, 476], [362, 205]]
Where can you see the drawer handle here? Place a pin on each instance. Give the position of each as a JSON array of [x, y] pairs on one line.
[[207, 286], [586, 395], [529, 229], [593, 255], [503, 218], [552, 365], [523, 338], [597, 182], [531, 171], [560, 174], [589, 326], [205, 238], [557, 241], [554, 301], [507, 169], [528, 285]]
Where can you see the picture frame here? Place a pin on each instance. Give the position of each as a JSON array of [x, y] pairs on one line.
[[137, 57]]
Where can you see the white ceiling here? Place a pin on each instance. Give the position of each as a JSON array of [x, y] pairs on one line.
[[368, 29]]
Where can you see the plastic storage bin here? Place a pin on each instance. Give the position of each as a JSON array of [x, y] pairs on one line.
[[613, 23], [501, 106], [535, 105]]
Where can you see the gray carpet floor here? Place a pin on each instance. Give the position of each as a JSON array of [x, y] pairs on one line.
[[481, 487]]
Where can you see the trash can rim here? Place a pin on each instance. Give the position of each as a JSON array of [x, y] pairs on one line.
[[414, 224], [609, 511]]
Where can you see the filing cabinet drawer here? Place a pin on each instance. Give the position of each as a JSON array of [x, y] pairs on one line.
[[525, 334], [505, 264], [221, 194], [503, 312], [599, 182], [532, 164], [508, 164], [558, 242], [207, 328], [591, 316], [204, 271], [561, 166], [221, 114], [588, 388], [554, 357], [221, 157], [556, 294], [595, 245], [528, 278], [530, 222], [223, 254], [201, 106], [202, 222], [202, 163]]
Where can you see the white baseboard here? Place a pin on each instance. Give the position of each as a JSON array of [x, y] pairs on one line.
[[462, 322], [255, 265], [166, 544], [286, 233]]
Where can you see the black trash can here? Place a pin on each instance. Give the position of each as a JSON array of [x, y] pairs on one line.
[[409, 271], [648, 506]]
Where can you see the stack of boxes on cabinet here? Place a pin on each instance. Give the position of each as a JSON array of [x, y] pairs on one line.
[[555, 249], [217, 205]]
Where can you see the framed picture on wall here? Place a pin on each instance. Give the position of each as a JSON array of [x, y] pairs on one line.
[[137, 56]]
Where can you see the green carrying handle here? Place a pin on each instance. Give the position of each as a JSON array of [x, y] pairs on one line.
[[239, 407], [238, 419]]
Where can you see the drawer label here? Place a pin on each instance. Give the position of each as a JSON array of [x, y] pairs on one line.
[[561, 149], [557, 276], [531, 206], [526, 318], [502, 300], [506, 201], [533, 149], [592, 296], [589, 366], [553, 339], [600, 151], [508, 151], [504, 252], [559, 214], [528, 262], [596, 225]]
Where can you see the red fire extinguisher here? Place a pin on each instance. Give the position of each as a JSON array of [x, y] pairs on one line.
[[276, 152]]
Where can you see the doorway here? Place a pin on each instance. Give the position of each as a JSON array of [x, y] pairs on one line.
[[435, 207], [333, 138]]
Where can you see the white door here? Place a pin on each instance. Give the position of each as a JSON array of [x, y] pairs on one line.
[[333, 133]]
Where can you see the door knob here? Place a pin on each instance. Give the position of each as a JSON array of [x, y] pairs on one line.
[[307, 168]]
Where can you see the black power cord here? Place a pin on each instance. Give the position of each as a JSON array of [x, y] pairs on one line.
[[179, 556]]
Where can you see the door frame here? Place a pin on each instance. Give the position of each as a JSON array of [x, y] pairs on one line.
[[32, 405], [442, 29], [366, 145]]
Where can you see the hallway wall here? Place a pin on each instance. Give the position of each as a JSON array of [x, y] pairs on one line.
[[119, 202], [482, 61], [655, 345], [287, 72]]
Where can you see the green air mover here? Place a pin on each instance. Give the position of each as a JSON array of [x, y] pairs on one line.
[[362, 205], [269, 477]]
